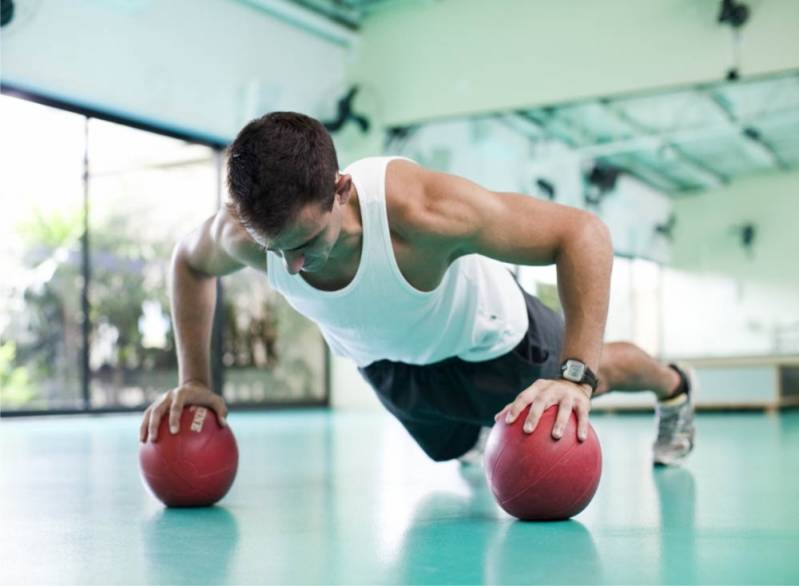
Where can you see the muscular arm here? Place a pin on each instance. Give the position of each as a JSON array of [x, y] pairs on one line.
[[523, 230], [217, 247], [577, 242]]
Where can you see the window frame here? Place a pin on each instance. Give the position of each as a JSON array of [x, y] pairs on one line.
[[218, 145]]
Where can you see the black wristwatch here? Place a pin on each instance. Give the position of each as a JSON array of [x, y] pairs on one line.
[[577, 372]]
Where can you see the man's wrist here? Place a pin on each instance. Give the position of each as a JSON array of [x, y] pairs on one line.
[[578, 372], [195, 381]]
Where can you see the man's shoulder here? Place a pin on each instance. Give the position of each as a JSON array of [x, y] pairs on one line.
[[376, 165], [232, 237], [420, 211], [405, 197]]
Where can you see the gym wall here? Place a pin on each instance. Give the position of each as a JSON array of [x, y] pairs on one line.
[[456, 57], [204, 67]]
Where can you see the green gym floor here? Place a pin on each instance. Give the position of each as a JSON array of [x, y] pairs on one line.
[[324, 497]]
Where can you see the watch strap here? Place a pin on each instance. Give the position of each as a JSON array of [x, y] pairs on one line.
[[589, 378]]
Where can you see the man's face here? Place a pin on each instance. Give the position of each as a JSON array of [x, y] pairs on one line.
[[306, 243]]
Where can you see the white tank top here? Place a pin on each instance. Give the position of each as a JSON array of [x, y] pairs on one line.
[[477, 312]]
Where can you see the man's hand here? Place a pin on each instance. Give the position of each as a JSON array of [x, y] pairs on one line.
[[172, 402], [541, 395]]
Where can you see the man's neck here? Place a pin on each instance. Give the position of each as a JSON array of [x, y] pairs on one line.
[[349, 240]]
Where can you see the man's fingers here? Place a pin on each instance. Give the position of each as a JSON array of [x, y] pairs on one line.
[[156, 413], [515, 408], [171, 405], [143, 426], [537, 407], [582, 422], [155, 419], [221, 410], [525, 398], [175, 411], [541, 396], [502, 412], [562, 420]]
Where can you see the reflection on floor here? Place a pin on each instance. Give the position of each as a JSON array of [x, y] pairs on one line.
[[348, 498]]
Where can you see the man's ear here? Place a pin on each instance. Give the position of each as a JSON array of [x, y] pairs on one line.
[[343, 188]]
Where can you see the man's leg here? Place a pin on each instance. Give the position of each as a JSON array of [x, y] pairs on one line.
[[625, 367], [404, 390]]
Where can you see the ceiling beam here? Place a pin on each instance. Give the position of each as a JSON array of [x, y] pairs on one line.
[[307, 19], [647, 173], [554, 116], [523, 125], [702, 171], [634, 166], [753, 143], [542, 122]]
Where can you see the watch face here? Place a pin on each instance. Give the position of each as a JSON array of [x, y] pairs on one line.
[[573, 370]]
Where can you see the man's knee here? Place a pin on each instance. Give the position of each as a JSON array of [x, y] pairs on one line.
[[603, 385], [616, 358], [461, 441], [444, 455]]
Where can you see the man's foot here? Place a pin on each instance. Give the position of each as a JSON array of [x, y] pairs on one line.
[[474, 457], [675, 421]]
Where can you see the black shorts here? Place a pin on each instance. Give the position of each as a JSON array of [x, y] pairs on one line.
[[443, 405]]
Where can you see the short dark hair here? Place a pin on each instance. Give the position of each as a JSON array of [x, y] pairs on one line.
[[277, 165]]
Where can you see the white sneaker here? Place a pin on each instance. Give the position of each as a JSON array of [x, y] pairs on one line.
[[474, 457], [675, 422]]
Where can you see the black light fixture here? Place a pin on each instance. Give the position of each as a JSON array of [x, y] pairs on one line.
[[734, 14], [752, 133], [546, 188], [747, 234], [666, 229], [397, 137], [604, 177], [601, 181], [6, 12]]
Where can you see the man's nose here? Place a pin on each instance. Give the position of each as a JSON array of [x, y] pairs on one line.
[[294, 262]]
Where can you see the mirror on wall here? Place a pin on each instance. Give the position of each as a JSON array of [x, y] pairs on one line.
[[646, 163]]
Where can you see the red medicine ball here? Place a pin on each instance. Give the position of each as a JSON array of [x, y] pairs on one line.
[[196, 466], [537, 478]]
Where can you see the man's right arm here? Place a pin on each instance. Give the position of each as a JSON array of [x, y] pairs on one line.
[[219, 246]]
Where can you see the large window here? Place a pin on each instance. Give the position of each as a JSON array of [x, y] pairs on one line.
[[92, 210], [145, 190], [269, 350], [708, 315], [40, 254], [634, 309], [677, 314]]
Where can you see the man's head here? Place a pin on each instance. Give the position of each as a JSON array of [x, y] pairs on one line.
[[282, 176]]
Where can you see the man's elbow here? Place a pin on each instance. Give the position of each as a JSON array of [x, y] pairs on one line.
[[594, 228], [190, 253], [590, 233]]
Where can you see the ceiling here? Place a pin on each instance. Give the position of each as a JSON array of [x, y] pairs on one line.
[[349, 13], [683, 139], [676, 140]]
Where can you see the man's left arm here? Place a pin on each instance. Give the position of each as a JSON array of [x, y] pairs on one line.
[[584, 260], [523, 230]]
